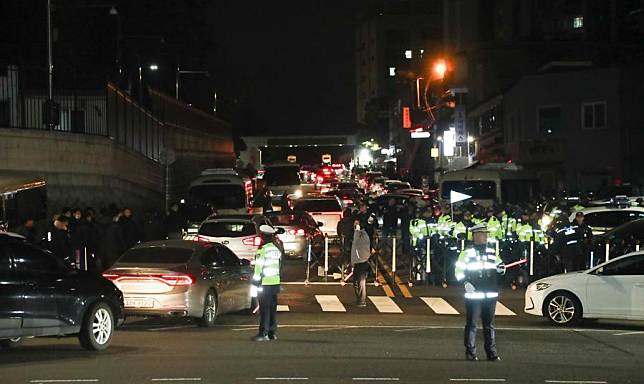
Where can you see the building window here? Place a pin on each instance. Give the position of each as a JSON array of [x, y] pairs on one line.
[[578, 22], [549, 120], [408, 54], [392, 71], [593, 115]]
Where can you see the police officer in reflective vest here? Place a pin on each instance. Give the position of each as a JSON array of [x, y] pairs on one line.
[[266, 284], [479, 267]]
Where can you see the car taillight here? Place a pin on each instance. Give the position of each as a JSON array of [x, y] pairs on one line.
[[296, 232], [201, 239], [177, 280], [347, 201], [172, 280], [255, 241]]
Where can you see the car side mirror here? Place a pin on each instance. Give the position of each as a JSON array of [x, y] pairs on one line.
[[320, 224], [244, 262]]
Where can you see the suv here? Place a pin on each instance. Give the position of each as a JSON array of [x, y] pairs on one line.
[[60, 301], [240, 233], [324, 210]]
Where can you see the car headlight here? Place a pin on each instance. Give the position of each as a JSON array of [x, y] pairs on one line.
[[298, 193], [539, 286]]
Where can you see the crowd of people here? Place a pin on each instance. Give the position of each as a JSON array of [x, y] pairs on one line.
[[515, 232], [75, 235]]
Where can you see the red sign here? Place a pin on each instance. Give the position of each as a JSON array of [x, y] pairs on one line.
[[406, 118]]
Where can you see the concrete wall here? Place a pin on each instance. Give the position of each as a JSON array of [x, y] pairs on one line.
[[83, 170]]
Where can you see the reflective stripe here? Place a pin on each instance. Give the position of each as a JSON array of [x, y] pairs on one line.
[[490, 250], [481, 265], [259, 262], [256, 277], [460, 276], [461, 264], [268, 272], [481, 295], [571, 242]]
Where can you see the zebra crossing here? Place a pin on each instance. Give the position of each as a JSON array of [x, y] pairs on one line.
[[385, 304]]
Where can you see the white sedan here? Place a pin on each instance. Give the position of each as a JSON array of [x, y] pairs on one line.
[[612, 290]]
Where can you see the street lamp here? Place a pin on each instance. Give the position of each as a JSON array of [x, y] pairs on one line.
[[439, 69], [153, 67]]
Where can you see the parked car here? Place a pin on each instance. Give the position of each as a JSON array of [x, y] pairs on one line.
[[603, 219], [181, 278], [240, 233], [41, 296], [299, 229], [612, 290], [621, 240], [327, 210]]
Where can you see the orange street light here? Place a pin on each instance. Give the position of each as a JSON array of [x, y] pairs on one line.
[[439, 69]]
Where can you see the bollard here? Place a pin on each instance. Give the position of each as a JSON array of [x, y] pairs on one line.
[[326, 256], [592, 259], [462, 244], [607, 251], [308, 262], [428, 266], [497, 247], [637, 247], [531, 257], [85, 258], [393, 255]]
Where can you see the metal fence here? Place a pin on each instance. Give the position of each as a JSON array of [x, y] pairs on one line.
[[103, 111]]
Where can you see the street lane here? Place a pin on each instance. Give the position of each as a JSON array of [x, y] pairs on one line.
[[359, 345]]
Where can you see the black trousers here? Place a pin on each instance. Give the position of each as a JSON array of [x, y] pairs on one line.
[[360, 273], [485, 310], [267, 298]]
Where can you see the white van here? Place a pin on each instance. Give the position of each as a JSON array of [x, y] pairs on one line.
[[489, 183], [218, 190]]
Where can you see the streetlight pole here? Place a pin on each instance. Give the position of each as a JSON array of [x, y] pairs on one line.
[[177, 76], [50, 64]]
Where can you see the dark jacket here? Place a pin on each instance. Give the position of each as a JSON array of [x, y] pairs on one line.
[[60, 245], [112, 245]]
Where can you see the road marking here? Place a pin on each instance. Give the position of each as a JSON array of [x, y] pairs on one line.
[[629, 333], [249, 328], [403, 288], [576, 382], [329, 328], [385, 304], [283, 378], [479, 380], [439, 306], [65, 381], [283, 308], [330, 303], [502, 310], [375, 378], [170, 328], [178, 379]]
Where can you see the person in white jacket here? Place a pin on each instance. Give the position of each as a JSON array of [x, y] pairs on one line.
[[360, 254]]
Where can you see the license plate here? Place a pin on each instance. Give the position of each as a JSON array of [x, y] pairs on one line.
[[139, 303]]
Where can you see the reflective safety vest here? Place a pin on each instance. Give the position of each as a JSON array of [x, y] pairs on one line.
[[461, 229], [525, 232], [477, 266], [444, 225], [494, 228], [267, 265], [416, 229]]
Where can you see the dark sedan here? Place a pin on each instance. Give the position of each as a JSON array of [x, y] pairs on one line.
[[299, 228], [40, 296]]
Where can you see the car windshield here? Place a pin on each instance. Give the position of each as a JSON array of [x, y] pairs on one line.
[[330, 205], [611, 219], [227, 229], [478, 189], [204, 199], [276, 176], [157, 255]]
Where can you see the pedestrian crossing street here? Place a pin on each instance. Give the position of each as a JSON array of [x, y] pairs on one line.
[[385, 304]]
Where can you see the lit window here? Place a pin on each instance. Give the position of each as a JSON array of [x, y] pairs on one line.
[[392, 71], [422, 51], [578, 22], [408, 54], [549, 119]]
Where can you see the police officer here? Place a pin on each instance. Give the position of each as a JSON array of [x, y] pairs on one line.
[[266, 284], [568, 244], [478, 266], [586, 236]]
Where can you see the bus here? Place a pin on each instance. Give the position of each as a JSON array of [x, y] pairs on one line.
[[491, 183], [22, 198]]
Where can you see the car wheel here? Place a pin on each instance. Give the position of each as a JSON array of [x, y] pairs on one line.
[[209, 316], [562, 308], [11, 343], [97, 328]]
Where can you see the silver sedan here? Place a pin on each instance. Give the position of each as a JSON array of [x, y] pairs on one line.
[[182, 279]]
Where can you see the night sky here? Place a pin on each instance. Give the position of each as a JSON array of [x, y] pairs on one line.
[[279, 67]]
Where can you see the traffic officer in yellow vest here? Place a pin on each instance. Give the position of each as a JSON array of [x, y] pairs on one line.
[[266, 284], [478, 266]]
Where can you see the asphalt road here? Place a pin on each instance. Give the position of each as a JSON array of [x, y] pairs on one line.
[[416, 345]]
